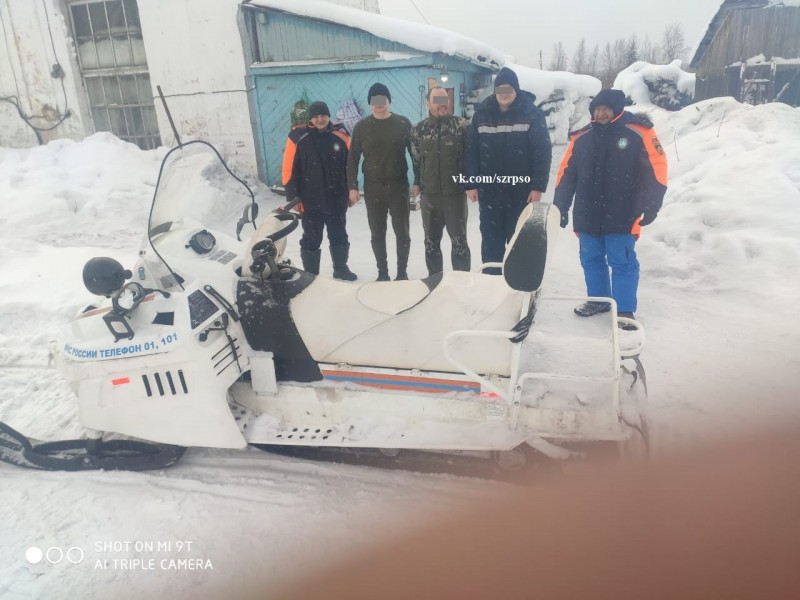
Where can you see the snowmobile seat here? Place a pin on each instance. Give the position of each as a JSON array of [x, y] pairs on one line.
[[403, 324]]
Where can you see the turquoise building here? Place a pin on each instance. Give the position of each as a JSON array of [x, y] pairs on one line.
[[335, 55]]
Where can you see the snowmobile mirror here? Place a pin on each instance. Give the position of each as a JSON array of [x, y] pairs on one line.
[[103, 276], [128, 298], [249, 215]]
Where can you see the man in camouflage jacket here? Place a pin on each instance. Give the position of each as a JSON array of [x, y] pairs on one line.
[[437, 148]]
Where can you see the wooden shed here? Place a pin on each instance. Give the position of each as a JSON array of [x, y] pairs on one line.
[[751, 51], [306, 50]]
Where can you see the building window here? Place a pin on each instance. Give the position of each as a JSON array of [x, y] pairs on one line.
[[113, 64]]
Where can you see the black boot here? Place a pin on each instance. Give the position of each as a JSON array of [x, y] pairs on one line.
[[379, 250], [403, 249], [591, 308], [310, 260], [339, 254]]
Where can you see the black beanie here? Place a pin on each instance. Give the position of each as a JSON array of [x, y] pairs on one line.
[[318, 108], [613, 99], [378, 89], [507, 77]]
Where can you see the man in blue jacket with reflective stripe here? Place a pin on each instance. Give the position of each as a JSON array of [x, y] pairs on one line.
[[616, 170], [506, 161]]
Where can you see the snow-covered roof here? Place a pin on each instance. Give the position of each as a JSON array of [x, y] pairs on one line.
[[415, 35]]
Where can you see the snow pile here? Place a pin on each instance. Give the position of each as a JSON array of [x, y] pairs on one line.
[[667, 86], [98, 190], [731, 218], [415, 35]]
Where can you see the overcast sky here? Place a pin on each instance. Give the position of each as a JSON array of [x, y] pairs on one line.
[[523, 27]]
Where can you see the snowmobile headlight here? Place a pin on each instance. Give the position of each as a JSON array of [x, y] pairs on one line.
[[103, 276]]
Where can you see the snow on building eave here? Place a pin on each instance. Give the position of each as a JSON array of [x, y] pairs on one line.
[[418, 36]]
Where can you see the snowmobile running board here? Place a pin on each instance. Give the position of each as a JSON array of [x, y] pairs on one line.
[[86, 454]]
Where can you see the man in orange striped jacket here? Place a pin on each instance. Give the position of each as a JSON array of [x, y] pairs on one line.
[[315, 172], [617, 172]]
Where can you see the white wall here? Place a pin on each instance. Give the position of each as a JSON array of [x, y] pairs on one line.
[[194, 52], [195, 47], [26, 57]]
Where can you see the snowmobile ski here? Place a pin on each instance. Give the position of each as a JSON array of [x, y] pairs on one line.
[[85, 454]]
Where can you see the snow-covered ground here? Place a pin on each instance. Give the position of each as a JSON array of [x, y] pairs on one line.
[[718, 297]]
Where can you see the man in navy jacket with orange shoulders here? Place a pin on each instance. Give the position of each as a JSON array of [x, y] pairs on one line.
[[315, 172], [617, 172]]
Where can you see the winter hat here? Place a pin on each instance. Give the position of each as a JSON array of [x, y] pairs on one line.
[[507, 77], [613, 99], [378, 89], [318, 108]]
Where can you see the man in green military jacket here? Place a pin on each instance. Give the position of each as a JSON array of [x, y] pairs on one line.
[[437, 149]]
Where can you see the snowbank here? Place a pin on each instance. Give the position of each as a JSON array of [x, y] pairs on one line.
[[78, 192], [667, 86], [731, 217]]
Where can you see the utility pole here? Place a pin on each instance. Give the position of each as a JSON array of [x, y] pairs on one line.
[[541, 68]]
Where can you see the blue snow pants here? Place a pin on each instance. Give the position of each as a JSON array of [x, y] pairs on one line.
[[598, 252]]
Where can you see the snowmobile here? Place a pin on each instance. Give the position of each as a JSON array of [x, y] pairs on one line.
[[214, 339]]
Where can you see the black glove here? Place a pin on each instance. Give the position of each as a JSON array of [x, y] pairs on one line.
[[647, 218], [564, 218]]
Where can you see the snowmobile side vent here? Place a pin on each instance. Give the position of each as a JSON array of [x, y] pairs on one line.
[[159, 384], [183, 381], [147, 386], [171, 381], [223, 361]]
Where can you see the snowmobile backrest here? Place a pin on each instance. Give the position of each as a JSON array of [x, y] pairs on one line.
[[526, 255]]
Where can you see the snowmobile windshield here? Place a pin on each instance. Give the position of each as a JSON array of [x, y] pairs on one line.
[[196, 195]]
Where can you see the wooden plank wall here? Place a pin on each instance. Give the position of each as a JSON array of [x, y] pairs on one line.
[[745, 33], [284, 37]]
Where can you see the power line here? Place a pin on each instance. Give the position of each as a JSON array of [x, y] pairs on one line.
[[414, 4]]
